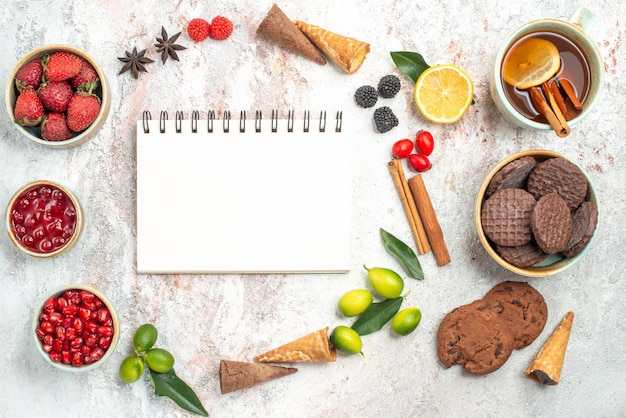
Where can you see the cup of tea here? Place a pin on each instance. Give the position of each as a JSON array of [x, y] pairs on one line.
[[579, 67]]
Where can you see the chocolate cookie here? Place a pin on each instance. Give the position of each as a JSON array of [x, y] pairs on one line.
[[522, 256], [551, 223], [585, 219], [479, 339], [505, 217], [522, 307], [557, 175], [512, 175]]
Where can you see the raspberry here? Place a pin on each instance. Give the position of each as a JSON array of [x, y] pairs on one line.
[[366, 96], [388, 86], [384, 119], [221, 28], [198, 29]]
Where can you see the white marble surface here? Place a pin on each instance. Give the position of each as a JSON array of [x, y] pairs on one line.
[[203, 319]]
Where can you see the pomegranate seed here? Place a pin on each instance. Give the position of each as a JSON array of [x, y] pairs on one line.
[[70, 334], [77, 359], [103, 315], [40, 333], [47, 327], [60, 332], [48, 339], [69, 294], [50, 305], [56, 318], [65, 345], [78, 324], [66, 357], [91, 340], [91, 326], [69, 310], [105, 342], [76, 343], [44, 317], [105, 331], [84, 313], [85, 350], [55, 356], [89, 305], [57, 345], [86, 296], [47, 348], [96, 354], [61, 302], [66, 322], [98, 302]]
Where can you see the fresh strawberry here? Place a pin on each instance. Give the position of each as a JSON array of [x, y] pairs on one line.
[[87, 78], [29, 75], [61, 66], [54, 127], [198, 29], [28, 109], [82, 111], [221, 28], [55, 96]]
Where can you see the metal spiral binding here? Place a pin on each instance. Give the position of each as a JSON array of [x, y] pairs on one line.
[[242, 121], [307, 119], [195, 115], [290, 117], [274, 120], [146, 118], [258, 117], [323, 121], [226, 121], [179, 121], [210, 120], [339, 121], [162, 119]]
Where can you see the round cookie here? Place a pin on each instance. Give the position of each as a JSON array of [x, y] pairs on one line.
[[512, 175], [522, 256], [557, 175], [585, 219], [522, 307], [476, 338], [551, 223], [505, 217]]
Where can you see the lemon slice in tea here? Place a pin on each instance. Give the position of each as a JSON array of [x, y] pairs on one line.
[[530, 63], [443, 93]]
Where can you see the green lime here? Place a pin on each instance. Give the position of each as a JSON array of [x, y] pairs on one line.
[[355, 302], [346, 339], [131, 369], [405, 321], [159, 360], [145, 337], [387, 283]]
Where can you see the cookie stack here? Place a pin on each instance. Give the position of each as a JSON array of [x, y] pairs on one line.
[[482, 335], [536, 209]]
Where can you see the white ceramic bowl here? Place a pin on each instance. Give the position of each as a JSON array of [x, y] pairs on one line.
[[48, 351], [101, 91]]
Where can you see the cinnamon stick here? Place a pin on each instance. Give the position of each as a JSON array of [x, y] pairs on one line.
[[429, 217], [399, 180], [548, 108]]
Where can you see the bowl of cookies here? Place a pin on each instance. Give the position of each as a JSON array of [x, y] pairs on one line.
[[536, 213], [58, 96]]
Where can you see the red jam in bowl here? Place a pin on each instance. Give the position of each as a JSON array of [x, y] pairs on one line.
[[43, 218]]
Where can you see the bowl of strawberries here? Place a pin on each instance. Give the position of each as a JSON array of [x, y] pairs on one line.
[[58, 96]]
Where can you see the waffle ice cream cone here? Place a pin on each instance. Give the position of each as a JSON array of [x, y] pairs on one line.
[[348, 53], [312, 348], [278, 28], [546, 366], [236, 375]]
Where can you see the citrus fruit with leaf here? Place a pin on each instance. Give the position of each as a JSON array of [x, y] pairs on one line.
[[346, 340], [131, 369], [387, 283], [355, 302], [159, 360], [145, 337], [530, 63], [443, 93], [405, 321]]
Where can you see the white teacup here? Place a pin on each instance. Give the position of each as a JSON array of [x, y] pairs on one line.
[[574, 30]]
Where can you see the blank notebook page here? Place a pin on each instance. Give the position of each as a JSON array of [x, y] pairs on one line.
[[233, 202]]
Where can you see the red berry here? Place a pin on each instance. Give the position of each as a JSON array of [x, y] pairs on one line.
[[87, 78], [55, 96], [419, 162], [29, 75], [402, 148], [424, 142], [61, 66], [82, 110], [221, 28], [198, 29], [28, 109], [54, 127]]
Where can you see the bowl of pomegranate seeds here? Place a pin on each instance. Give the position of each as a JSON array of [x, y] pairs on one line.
[[58, 96], [43, 219], [75, 328]]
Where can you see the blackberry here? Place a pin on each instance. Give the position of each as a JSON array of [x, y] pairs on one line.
[[388, 86], [384, 119], [366, 96]]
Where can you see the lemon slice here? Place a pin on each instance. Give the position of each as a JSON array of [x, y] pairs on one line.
[[443, 93], [530, 63]]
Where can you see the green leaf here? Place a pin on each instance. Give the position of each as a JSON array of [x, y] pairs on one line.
[[404, 254], [411, 64], [377, 315], [170, 385]]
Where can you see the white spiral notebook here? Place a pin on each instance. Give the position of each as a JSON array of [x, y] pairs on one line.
[[220, 195]]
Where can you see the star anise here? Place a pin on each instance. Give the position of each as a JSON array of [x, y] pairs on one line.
[[135, 62], [167, 46]]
